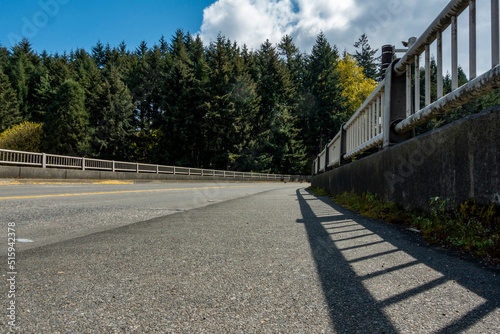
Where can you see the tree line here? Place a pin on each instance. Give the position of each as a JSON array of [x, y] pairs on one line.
[[180, 102]]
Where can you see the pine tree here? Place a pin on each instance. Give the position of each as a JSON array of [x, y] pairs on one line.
[[219, 111], [294, 61], [326, 111], [183, 113], [366, 58], [4, 58], [19, 70], [66, 123], [278, 150], [9, 107], [113, 123], [99, 54]]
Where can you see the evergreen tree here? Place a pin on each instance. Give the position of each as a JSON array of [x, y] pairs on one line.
[[19, 70], [183, 116], [327, 111], [66, 123], [4, 58], [294, 61], [113, 124], [219, 110], [366, 58], [99, 54], [9, 108], [279, 149], [244, 141]]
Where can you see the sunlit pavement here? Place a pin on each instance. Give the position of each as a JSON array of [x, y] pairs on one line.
[[278, 261]]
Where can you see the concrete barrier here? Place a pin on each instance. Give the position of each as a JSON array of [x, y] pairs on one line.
[[14, 172], [458, 161]]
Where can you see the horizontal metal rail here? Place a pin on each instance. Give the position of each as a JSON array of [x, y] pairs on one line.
[[478, 87], [454, 8], [45, 160]]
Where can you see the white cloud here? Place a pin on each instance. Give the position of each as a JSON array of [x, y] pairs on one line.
[[251, 22], [248, 22]]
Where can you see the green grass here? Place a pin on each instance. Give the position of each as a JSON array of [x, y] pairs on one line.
[[318, 191], [468, 226]]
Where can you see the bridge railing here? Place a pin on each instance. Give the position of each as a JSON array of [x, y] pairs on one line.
[[45, 160], [394, 109]]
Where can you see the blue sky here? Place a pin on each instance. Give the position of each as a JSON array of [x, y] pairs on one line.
[[64, 25]]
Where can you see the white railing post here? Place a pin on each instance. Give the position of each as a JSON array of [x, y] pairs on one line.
[[495, 49], [44, 160], [83, 163], [454, 53], [472, 39]]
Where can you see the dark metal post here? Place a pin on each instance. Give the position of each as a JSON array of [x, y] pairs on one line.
[[343, 145], [395, 106], [326, 157], [387, 55]]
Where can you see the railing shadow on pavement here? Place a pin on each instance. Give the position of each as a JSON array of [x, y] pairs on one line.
[[378, 279]]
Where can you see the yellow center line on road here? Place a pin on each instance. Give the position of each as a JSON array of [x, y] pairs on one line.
[[119, 192]]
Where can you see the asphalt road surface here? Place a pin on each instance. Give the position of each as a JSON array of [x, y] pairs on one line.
[[46, 213], [244, 258]]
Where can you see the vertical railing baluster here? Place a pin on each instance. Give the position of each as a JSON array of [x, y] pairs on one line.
[[367, 123], [408, 91], [472, 39], [382, 107], [454, 53], [417, 83], [494, 34], [427, 75], [439, 64], [372, 108]]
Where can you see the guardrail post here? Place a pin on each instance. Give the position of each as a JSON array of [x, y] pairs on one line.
[[137, 167], [44, 160], [83, 163], [113, 166], [395, 106], [343, 145], [327, 158]]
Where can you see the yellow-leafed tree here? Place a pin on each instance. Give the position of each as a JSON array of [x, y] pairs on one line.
[[26, 136], [355, 86]]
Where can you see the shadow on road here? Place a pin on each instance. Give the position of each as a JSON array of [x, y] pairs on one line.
[[378, 279]]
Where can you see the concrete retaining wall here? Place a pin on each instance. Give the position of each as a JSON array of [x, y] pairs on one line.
[[458, 161], [75, 174]]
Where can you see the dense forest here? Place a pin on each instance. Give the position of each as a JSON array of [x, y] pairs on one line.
[[180, 102], [183, 103]]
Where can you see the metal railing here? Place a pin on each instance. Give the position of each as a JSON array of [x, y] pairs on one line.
[[394, 109], [45, 160]]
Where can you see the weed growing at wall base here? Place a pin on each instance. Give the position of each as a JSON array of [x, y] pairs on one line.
[[469, 226]]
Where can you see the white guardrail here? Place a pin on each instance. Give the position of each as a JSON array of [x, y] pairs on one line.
[[394, 109], [45, 160]]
